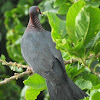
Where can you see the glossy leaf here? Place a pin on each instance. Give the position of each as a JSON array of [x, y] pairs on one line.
[[71, 16], [82, 25], [94, 25], [58, 27]]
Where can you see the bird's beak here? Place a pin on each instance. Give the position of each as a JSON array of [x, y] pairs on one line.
[[41, 13]]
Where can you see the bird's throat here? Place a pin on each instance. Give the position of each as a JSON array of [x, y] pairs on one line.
[[34, 23]]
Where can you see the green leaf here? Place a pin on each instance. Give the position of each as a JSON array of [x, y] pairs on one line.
[[58, 27], [93, 42], [31, 94], [13, 45], [63, 9], [83, 84], [83, 29], [97, 86], [96, 96], [94, 3], [70, 18], [97, 47], [74, 71], [91, 77], [36, 82], [3, 57], [82, 24], [94, 24], [59, 2]]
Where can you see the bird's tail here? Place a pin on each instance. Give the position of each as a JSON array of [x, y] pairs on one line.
[[68, 90]]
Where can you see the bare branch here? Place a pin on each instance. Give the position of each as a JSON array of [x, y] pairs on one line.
[[13, 64], [26, 66], [69, 61], [15, 77]]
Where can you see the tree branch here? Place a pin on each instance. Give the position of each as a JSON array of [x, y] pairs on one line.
[[96, 73], [74, 60], [13, 64], [70, 61], [15, 77]]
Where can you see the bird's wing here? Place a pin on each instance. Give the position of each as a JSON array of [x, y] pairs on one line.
[[37, 54], [56, 53]]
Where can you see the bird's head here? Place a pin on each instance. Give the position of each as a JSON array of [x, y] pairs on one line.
[[34, 10]]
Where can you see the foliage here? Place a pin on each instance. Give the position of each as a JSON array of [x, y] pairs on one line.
[[10, 90], [75, 27], [81, 39], [36, 84]]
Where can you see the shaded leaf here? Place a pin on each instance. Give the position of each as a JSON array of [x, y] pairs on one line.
[[63, 9], [97, 47], [59, 2], [91, 77], [83, 84]]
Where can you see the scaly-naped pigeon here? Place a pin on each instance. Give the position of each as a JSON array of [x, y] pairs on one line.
[[39, 51]]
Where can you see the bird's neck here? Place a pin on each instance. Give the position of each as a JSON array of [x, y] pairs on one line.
[[34, 23]]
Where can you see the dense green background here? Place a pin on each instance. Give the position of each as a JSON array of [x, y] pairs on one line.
[[75, 28]]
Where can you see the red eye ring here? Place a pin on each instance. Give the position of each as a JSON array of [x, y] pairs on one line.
[[38, 10]]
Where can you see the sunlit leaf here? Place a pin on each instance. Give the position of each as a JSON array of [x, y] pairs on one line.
[[94, 25], [31, 94], [96, 96], [3, 57], [71, 16], [58, 27], [36, 82]]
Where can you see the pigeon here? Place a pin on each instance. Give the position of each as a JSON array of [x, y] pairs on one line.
[[39, 51]]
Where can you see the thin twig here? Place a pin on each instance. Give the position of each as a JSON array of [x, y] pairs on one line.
[[70, 61], [15, 77], [26, 66], [96, 73], [74, 60], [13, 64]]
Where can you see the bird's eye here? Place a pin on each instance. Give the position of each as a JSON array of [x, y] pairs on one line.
[[38, 10]]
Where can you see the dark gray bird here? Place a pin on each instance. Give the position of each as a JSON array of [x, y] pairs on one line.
[[38, 50]]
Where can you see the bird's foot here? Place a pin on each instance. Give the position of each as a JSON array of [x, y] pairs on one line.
[[30, 69]]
